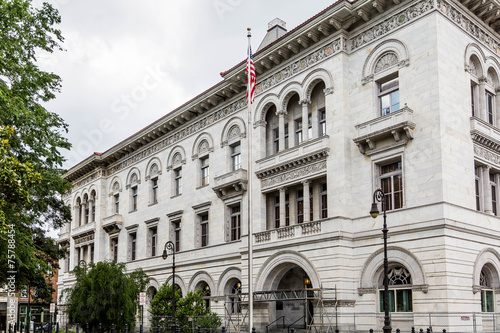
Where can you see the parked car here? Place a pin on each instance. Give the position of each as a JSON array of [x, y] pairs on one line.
[[44, 327]]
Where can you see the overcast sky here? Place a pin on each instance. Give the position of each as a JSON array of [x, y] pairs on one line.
[[127, 63]]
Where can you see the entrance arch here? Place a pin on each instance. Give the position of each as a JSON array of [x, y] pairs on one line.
[[289, 273]]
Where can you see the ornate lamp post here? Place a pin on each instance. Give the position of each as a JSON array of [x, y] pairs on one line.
[[379, 196], [171, 246]]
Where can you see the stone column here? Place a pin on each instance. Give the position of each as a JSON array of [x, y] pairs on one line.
[[482, 99], [281, 114], [305, 117], [486, 189], [307, 203], [282, 206]]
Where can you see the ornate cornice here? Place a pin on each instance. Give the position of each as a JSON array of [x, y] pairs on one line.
[[85, 180], [294, 174], [283, 167], [487, 154], [395, 21], [485, 140], [325, 52], [179, 135], [472, 28]]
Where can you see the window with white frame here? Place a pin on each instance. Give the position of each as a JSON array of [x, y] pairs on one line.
[[277, 211], [116, 203], [276, 140], [154, 190], [132, 242], [473, 98], [490, 108], [322, 121], [153, 241], [477, 185], [324, 201], [205, 171], [400, 290], [287, 145], [494, 187], [391, 182], [487, 294], [133, 198], [298, 131], [92, 205], [300, 206], [178, 181], [235, 156], [177, 235], [204, 230], [389, 95], [87, 212], [309, 126], [235, 222], [114, 249]]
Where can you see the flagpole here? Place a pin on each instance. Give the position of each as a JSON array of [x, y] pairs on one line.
[[249, 190]]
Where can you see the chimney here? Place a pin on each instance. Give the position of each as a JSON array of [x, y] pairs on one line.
[[275, 29]]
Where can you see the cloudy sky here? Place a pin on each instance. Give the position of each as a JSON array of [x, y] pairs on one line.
[[127, 63]]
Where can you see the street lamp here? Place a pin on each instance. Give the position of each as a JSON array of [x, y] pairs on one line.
[[171, 246], [379, 196]]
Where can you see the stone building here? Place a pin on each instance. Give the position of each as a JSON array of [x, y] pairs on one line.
[[400, 95]]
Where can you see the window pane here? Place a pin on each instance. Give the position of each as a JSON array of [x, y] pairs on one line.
[[404, 300]]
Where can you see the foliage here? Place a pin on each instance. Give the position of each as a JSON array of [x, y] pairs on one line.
[[31, 152], [191, 305], [104, 294]]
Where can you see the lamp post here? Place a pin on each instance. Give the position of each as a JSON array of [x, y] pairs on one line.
[[379, 196], [171, 246]]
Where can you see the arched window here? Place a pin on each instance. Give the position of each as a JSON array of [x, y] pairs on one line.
[[206, 293], [400, 290], [235, 299], [487, 294]]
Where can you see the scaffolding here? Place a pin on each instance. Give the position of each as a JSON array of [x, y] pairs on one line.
[[321, 320]]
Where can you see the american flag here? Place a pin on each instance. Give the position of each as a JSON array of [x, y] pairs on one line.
[[252, 78]]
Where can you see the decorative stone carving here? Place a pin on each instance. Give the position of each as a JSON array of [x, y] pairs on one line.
[[388, 60], [134, 179], [362, 291], [234, 133], [177, 159], [486, 154], [470, 27], [328, 91], [263, 237], [203, 147], [153, 171], [294, 174], [116, 187], [393, 22]]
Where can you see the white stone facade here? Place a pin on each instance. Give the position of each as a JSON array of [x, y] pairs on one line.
[[437, 151]]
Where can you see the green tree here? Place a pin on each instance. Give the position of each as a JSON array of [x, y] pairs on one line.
[[191, 306], [104, 294], [26, 32]]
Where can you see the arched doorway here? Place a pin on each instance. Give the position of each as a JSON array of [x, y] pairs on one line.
[[295, 305]]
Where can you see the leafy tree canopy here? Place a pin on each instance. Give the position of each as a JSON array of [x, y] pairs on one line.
[[104, 294], [34, 137], [191, 306]]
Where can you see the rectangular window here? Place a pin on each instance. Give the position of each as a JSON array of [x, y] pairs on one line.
[[154, 190], [204, 230], [493, 194], [87, 213], [298, 131], [93, 211], [114, 249], [400, 300], [132, 244], [153, 235], [177, 236], [391, 181], [117, 203], [477, 173], [277, 211], [287, 210], [276, 140], [92, 253], [300, 206], [204, 171], [322, 121], [178, 181], [487, 301], [473, 98], [134, 198], [286, 137], [489, 107], [235, 157], [324, 201], [389, 96], [235, 223]]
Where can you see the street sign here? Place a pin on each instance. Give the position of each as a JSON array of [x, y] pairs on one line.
[[142, 298], [52, 307]]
